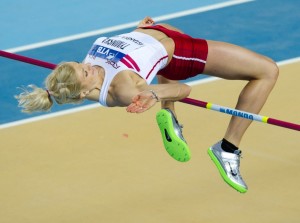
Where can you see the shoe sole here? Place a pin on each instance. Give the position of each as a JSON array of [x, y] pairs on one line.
[[175, 146], [223, 173]]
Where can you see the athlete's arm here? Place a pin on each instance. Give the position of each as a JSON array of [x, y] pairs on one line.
[[147, 21], [166, 103], [167, 93]]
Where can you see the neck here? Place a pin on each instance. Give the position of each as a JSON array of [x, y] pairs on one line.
[[94, 94], [101, 73]]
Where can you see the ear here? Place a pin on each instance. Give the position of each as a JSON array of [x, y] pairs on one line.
[[83, 94]]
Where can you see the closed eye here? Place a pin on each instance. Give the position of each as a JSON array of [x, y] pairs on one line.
[[85, 73]]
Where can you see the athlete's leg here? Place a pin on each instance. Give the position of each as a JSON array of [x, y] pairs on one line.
[[236, 63], [171, 130], [166, 104]]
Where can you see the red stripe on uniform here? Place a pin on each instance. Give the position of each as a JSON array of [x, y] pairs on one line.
[[126, 63], [156, 65], [127, 57]]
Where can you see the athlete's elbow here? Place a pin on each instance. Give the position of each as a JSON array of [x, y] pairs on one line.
[[185, 91], [189, 89]]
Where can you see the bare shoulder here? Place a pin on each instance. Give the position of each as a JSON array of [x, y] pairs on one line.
[[124, 87]]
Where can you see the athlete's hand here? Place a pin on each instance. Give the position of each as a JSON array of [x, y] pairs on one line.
[[141, 102], [147, 21]]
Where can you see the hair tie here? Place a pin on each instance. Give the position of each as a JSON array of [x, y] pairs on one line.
[[48, 92]]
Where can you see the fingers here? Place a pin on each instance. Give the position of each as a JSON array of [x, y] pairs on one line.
[[147, 21], [141, 103], [135, 105], [135, 109]]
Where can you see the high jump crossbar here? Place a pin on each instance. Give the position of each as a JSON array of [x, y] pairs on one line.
[[198, 103]]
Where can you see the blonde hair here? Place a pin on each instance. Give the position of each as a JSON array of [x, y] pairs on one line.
[[62, 85]]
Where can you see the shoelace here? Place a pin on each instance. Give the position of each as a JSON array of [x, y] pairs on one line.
[[180, 129], [180, 125]]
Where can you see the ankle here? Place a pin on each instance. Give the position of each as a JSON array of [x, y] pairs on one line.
[[228, 146]]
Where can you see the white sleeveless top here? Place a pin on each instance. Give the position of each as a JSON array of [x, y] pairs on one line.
[[133, 51]]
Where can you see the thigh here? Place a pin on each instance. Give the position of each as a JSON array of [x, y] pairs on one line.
[[233, 62]]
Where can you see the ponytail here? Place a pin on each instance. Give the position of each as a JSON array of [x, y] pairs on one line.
[[34, 99], [62, 86]]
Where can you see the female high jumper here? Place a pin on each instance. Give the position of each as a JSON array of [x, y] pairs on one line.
[[118, 70]]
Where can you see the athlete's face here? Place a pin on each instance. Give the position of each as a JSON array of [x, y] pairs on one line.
[[88, 76]]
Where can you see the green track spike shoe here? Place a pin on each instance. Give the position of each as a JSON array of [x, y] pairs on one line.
[[171, 132]]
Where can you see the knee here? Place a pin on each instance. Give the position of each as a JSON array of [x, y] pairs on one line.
[[272, 71]]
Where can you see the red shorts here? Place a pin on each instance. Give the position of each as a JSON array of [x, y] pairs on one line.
[[189, 57]]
